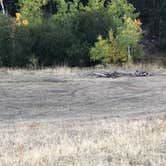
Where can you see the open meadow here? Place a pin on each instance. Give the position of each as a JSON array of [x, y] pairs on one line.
[[82, 83], [64, 117]]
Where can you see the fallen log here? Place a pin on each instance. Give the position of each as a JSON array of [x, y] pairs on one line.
[[107, 75], [99, 74], [116, 74]]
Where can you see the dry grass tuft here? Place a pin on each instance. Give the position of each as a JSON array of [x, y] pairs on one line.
[[89, 143]]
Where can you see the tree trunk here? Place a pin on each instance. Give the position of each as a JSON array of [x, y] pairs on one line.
[[129, 53], [2, 6]]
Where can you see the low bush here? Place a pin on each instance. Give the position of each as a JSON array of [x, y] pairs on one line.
[[15, 43]]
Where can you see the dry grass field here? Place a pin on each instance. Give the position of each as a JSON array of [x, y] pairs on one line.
[[66, 117], [108, 142]]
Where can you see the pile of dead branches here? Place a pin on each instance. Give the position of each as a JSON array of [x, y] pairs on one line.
[[116, 74]]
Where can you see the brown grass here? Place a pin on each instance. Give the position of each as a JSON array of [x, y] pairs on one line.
[[116, 142], [102, 142], [152, 66]]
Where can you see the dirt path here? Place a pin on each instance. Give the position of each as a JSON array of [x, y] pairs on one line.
[[77, 96]]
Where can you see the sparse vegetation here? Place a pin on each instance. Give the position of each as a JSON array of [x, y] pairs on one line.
[[97, 142]]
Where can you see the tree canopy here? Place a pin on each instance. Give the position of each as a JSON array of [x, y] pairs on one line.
[[79, 32]]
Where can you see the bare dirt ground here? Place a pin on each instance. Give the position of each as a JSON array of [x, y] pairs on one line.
[[71, 118], [75, 95]]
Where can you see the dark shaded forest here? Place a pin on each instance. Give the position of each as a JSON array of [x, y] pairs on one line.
[[77, 17]]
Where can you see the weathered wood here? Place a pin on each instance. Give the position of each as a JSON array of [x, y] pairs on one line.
[[99, 74], [116, 74], [142, 73]]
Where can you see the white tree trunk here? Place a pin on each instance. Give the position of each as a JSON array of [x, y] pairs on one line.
[[129, 53], [2, 6]]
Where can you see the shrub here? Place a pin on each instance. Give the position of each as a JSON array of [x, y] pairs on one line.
[[101, 51], [6, 40], [90, 24], [108, 51], [52, 42], [137, 53], [22, 46], [15, 43], [78, 54]]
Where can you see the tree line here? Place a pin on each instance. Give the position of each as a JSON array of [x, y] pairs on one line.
[[78, 32], [151, 11]]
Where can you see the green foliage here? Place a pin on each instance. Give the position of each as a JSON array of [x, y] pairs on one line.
[[118, 10], [22, 46], [108, 50], [94, 5], [5, 39], [75, 35], [101, 51], [52, 42], [15, 43], [31, 10], [80, 30], [78, 54], [130, 33], [57, 43], [125, 34], [88, 25], [151, 12], [137, 52]]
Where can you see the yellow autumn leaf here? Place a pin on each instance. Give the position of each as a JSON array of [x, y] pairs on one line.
[[18, 16], [137, 22], [25, 22]]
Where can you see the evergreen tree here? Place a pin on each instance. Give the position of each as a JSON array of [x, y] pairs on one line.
[[163, 25]]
